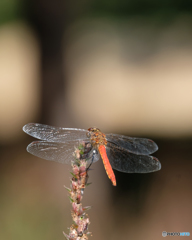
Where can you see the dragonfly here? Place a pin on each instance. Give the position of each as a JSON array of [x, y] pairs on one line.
[[119, 152]]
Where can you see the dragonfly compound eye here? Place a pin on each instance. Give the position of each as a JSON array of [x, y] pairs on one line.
[[94, 129]]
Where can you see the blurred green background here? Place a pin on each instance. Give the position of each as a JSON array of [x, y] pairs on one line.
[[123, 66]]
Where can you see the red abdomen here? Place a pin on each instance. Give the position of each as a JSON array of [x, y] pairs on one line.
[[107, 165]]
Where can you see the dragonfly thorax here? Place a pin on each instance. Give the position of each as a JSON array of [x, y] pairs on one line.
[[97, 138]]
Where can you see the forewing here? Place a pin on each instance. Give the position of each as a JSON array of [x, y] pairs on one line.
[[142, 146], [127, 162], [58, 152], [54, 134]]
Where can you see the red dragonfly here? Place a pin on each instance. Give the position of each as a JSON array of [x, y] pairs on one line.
[[122, 153]]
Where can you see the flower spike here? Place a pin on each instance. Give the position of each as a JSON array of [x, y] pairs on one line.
[[79, 229]]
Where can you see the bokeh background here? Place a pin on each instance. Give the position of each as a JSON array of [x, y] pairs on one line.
[[123, 66]]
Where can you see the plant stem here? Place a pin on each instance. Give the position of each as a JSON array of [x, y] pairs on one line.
[[79, 228]]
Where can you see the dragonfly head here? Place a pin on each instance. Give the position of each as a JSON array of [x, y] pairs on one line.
[[92, 130]]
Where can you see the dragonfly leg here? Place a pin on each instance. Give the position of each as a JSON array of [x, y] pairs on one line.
[[93, 155], [87, 150]]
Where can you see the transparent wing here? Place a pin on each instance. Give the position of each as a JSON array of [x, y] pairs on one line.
[[142, 146], [127, 162], [58, 152], [54, 134]]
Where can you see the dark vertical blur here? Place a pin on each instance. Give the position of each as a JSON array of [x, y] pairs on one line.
[[49, 20]]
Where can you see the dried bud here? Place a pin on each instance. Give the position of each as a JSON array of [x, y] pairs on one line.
[[75, 169], [75, 185], [83, 225], [77, 208], [78, 196], [72, 235], [77, 153]]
